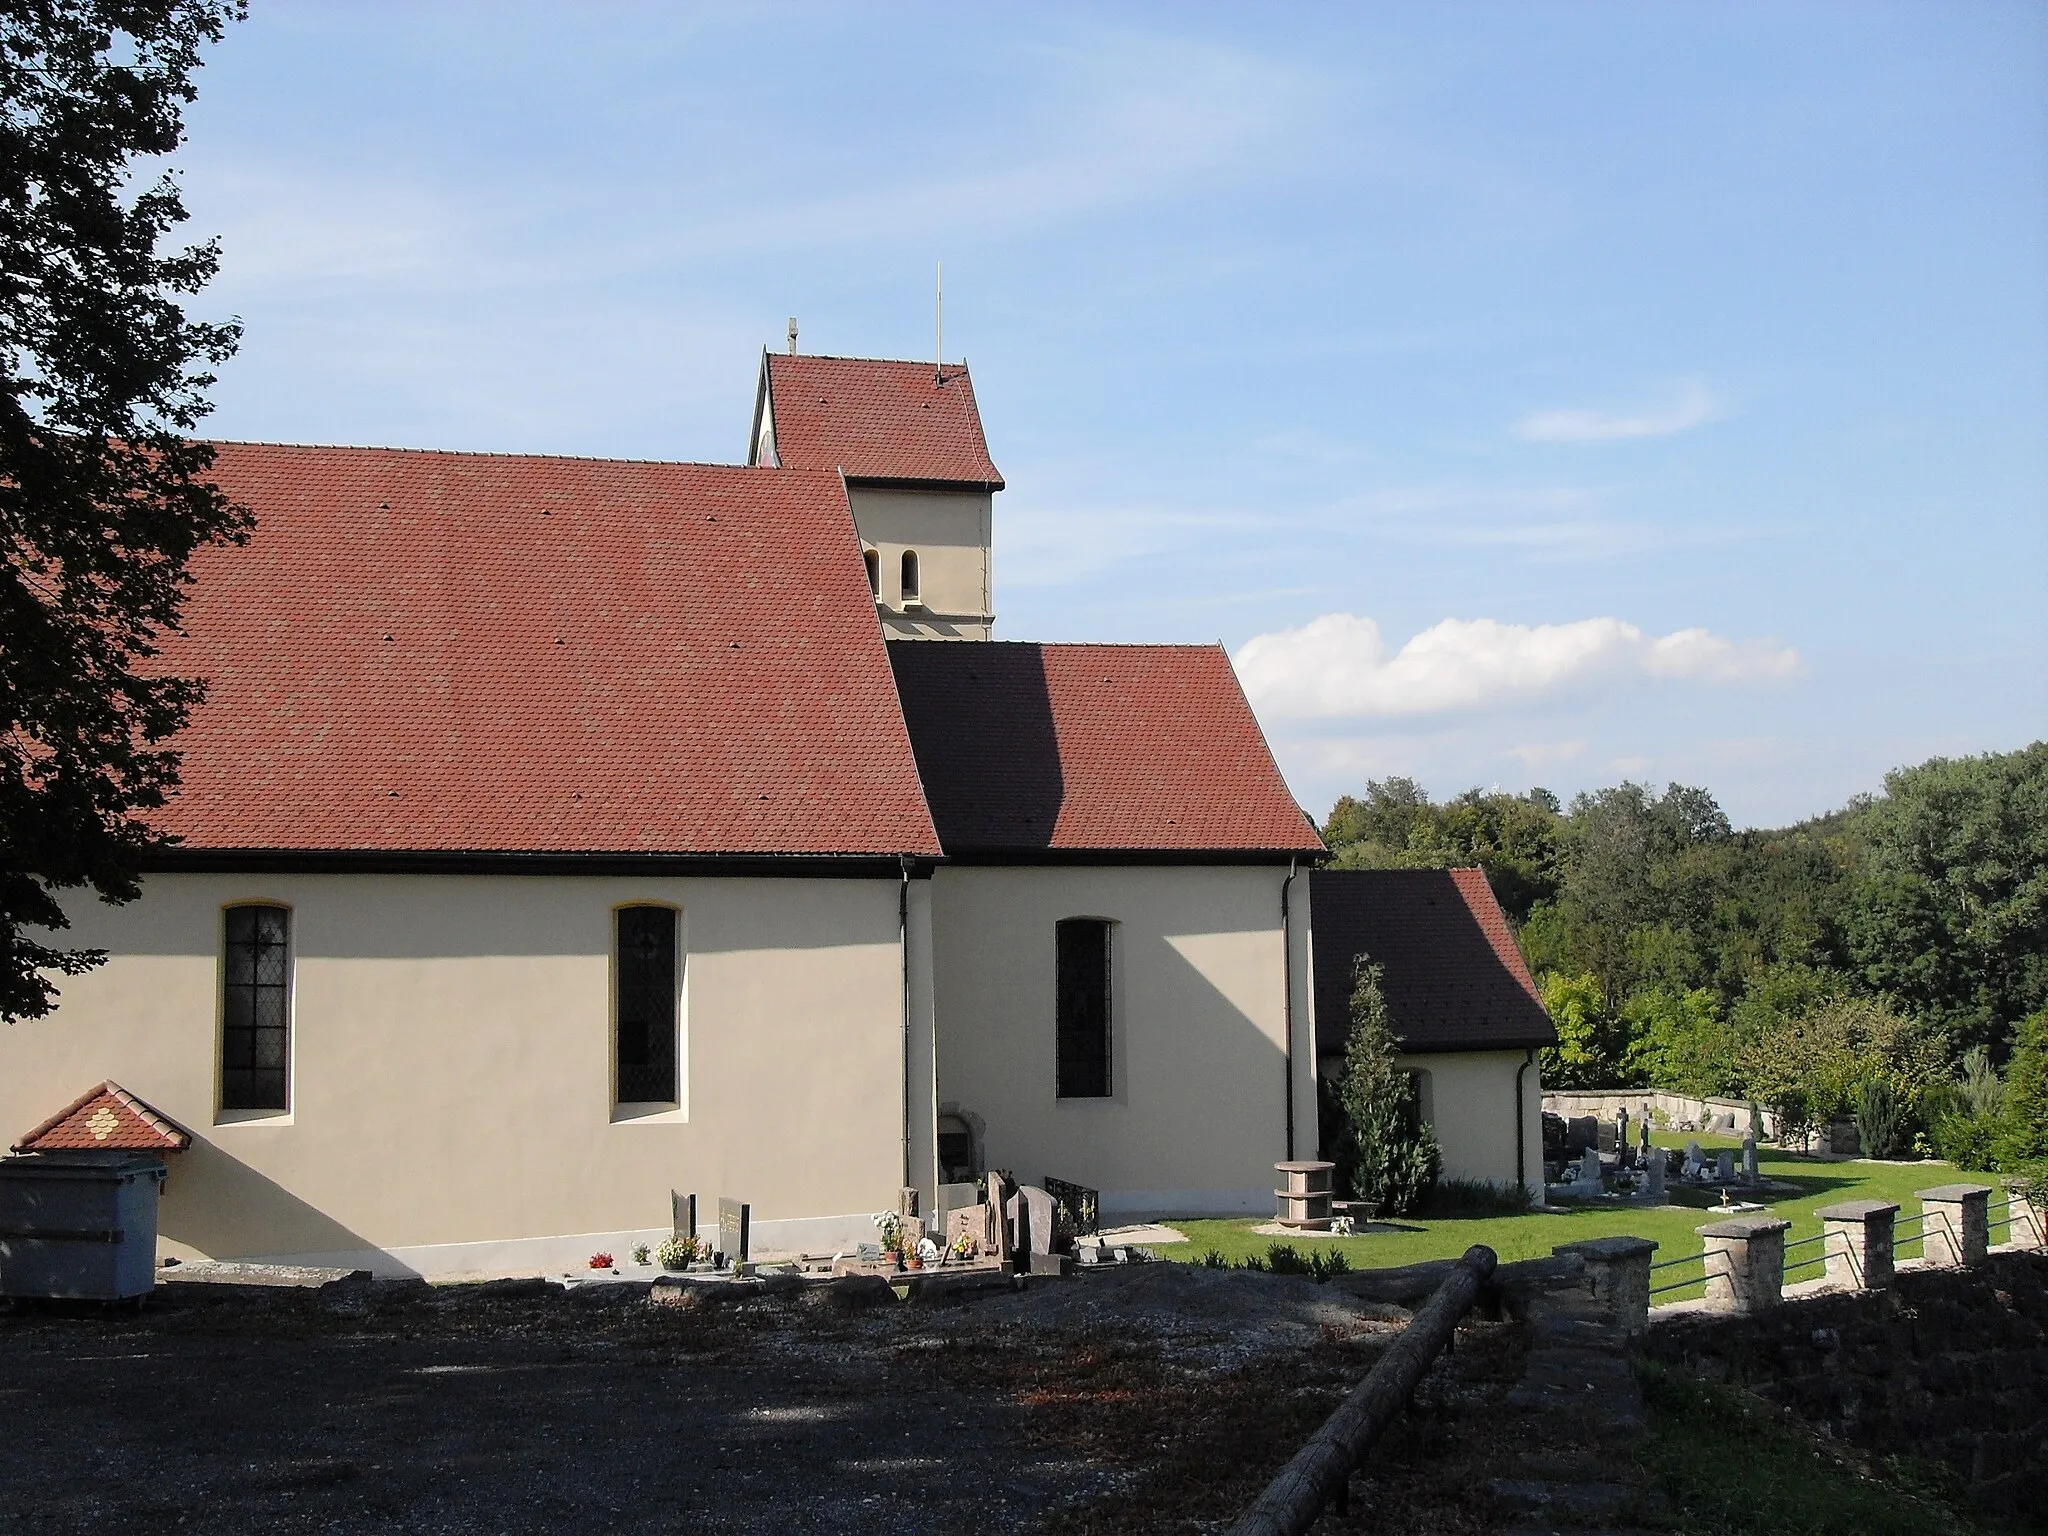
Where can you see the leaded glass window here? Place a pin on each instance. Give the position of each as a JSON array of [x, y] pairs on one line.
[[645, 1007], [255, 1037], [1083, 1003]]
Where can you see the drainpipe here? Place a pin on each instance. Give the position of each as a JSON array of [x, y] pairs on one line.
[[1521, 1153], [1287, 997], [903, 960]]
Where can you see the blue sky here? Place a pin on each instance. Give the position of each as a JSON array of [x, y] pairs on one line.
[[1525, 394]]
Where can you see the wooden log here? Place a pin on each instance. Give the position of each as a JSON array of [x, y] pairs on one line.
[[1322, 1468]]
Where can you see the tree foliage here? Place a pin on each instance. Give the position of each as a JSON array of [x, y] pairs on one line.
[[1951, 915], [103, 493], [1676, 950], [1385, 1151]]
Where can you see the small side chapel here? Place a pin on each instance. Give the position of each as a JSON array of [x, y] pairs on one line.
[[562, 834]]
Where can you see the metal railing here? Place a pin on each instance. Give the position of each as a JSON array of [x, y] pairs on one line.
[[1689, 1282], [1900, 1242], [1818, 1260]]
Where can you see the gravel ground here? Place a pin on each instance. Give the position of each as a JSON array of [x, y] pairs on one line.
[[516, 1408]]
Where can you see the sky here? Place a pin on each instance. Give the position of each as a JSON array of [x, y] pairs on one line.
[[1524, 394]]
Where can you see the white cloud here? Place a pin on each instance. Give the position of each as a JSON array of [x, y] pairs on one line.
[[1695, 404], [1337, 665], [1545, 754]]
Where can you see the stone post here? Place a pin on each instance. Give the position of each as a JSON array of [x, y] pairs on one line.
[[1745, 1263], [1618, 1269], [1958, 1224], [1858, 1243]]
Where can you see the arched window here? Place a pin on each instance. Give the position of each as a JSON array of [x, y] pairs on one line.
[[1083, 999], [645, 1004], [910, 588], [256, 995], [873, 557]]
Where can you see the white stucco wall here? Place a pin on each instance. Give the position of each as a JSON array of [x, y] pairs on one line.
[[1470, 1099], [452, 1104], [1197, 1115], [950, 531]]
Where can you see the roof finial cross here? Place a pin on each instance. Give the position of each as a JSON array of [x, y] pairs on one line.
[[792, 335]]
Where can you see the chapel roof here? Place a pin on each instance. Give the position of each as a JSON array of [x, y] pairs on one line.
[[1073, 748], [877, 421], [106, 1118], [1453, 976], [495, 653]]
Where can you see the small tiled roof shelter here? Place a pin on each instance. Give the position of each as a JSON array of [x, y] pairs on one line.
[[106, 1118]]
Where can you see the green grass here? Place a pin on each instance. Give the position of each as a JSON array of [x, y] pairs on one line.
[[1732, 1465], [1817, 1183]]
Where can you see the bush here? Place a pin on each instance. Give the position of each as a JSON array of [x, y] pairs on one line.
[[1969, 1141], [1823, 1058], [1384, 1152], [1286, 1259], [1881, 1121], [1457, 1199], [2023, 1137], [1213, 1259]]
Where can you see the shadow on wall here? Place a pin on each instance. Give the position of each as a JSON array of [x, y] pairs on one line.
[[988, 753], [219, 1205], [1198, 1096]]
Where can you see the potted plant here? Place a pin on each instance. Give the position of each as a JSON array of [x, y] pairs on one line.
[[678, 1253]]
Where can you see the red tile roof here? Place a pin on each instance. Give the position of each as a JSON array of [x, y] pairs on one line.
[[1454, 978], [106, 1118], [1078, 747], [482, 652], [878, 421]]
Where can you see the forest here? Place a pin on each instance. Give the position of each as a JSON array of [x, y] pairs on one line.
[[1887, 961]]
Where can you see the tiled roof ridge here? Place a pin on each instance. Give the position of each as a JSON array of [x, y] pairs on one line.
[[848, 357], [176, 1135], [502, 454]]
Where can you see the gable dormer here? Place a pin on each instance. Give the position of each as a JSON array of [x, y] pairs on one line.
[[907, 438]]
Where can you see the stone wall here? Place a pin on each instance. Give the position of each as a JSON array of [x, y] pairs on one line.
[[1950, 1364], [1671, 1108]]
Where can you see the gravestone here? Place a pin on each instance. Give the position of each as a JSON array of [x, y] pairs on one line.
[[683, 1213], [1654, 1157], [1038, 1216], [1749, 1166], [1000, 1245], [1606, 1135], [1693, 1161], [1581, 1132], [1589, 1168], [735, 1220], [1724, 1166], [867, 1253], [970, 1221]]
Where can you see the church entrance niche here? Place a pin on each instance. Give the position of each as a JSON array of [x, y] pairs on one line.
[[959, 1151]]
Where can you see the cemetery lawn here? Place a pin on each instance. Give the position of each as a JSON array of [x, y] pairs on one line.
[[1816, 1181]]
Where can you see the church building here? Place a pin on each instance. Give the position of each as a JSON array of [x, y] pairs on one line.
[[562, 834]]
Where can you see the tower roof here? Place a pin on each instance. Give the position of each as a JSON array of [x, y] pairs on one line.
[[877, 422]]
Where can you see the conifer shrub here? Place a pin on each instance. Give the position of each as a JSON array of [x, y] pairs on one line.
[[1384, 1151]]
